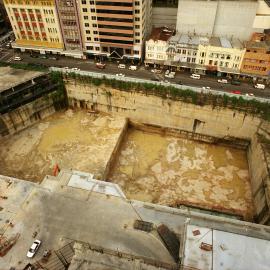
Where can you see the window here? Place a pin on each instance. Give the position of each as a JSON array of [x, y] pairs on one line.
[[95, 39], [136, 52], [137, 19], [137, 11], [137, 34], [94, 25], [84, 9], [84, 2], [137, 3], [137, 26], [95, 32], [184, 51], [88, 38], [87, 31], [97, 48], [89, 47], [94, 17], [85, 17], [228, 57], [86, 24], [93, 10], [92, 2], [137, 41]]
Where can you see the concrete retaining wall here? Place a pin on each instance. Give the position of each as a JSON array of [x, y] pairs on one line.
[[25, 116], [259, 168], [218, 122]]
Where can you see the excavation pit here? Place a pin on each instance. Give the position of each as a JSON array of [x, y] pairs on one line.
[[162, 166], [72, 140]]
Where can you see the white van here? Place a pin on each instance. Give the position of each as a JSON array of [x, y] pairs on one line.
[[259, 86], [195, 76], [133, 68], [17, 58], [121, 66]]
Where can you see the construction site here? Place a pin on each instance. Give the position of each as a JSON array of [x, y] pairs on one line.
[[168, 185]]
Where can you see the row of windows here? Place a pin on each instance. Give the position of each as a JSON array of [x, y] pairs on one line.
[[256, 61], [254, 68]]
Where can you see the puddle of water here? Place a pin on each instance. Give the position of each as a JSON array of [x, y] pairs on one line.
[[170, 171]]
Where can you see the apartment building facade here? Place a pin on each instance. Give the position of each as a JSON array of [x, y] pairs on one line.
[[115, 28], [69, 20], [35, 25], [256, 61], [221, 55], [197, 54]]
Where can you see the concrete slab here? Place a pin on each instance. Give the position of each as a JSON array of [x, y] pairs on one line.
[[10, 77], [239, 252]]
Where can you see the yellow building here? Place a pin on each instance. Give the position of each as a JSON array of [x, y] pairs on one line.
[[35, 25], [221, 55]]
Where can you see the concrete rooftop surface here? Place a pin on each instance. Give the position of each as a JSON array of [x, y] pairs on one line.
[[99, 228], [10, 77]]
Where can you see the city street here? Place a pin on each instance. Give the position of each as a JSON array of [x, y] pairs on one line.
[[142, 72]]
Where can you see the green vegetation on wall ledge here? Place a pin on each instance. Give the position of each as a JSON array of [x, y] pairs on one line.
[[251, 106]]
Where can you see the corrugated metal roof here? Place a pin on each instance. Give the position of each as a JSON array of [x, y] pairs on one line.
[[225, 43]]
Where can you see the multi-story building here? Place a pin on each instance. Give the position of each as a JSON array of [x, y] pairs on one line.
[[157, 46], [35, 25], [194, 53], [70, 27], [217, 18], [115, 28], [256, 61], [221, 55]]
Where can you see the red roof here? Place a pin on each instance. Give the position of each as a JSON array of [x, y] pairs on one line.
[[161, 33]]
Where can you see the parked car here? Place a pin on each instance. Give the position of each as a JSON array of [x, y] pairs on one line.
[[195, 76], [100, 65], [222, 80], [236, 92], [120, 75], [33, 249], [132, 68], [75, 69], [235, 82], [43, 56], [155, 79], [158, 71], [206, 88], [17, 58], [259, 86], [122, 66], [53, 58], [250, 94], [33, 55], [170, 74]]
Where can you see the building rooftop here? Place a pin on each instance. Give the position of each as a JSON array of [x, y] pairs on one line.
[[161, 33], [189, 39], [10, 77], [96, 226]]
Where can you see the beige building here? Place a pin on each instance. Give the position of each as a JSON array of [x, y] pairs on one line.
[[115, 29], [157, 46], [35, 25], [221, 55]]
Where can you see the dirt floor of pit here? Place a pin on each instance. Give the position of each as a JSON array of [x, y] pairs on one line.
[[76, 140], [171, 171]]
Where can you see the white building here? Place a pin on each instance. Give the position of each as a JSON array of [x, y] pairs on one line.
[[217, 18]]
